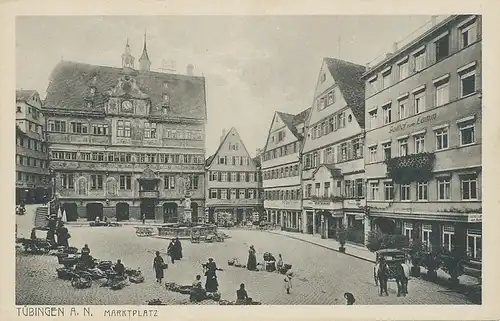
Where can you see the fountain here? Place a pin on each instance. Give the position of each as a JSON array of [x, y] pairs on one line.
[[185, 227]]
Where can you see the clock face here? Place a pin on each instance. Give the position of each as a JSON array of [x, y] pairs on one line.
[[127, 106]]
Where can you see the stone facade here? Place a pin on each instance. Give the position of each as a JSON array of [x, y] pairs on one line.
[[425, 101], [233, 182], [33, 180], [127, 143]]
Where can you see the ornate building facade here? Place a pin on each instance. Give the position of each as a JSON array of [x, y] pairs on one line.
[[233, 182], [33, 183], [423, 138], [126, 143], [332, 156], [281, 170]]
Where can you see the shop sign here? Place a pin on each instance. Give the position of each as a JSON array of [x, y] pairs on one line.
[[475, 218], [413, 123]]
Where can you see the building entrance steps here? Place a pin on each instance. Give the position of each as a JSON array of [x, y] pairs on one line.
[[364, 254]]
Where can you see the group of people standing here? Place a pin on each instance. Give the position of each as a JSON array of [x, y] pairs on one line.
[[55, 228], [174, 250]]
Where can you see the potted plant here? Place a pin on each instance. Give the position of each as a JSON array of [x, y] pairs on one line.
[[342, 238], [374, 241], [416, 253], [452, 262], [431, 260]]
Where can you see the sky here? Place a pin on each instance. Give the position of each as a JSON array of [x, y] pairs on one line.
[[253, 65]]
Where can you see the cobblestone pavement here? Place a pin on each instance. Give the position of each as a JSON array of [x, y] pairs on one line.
[[321, 275]]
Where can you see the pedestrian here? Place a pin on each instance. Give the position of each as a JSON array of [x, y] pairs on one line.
[[119, 268], [349, 297], [62, 235], [383, 276], [178, 249], [85, 257], [143, 218], [159, 265], [33, 234], [171, 250], [279, 264], [197, 292], [288, 282], [252, 259], [211, 284], [242, 295]]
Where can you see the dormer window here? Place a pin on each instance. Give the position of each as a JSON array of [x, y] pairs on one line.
[[166, 100], [89, 104], [92, 91]]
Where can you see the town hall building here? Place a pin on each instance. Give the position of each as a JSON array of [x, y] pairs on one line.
[[126, 142]]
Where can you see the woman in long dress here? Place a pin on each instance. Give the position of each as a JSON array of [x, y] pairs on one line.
[[158, 266], [252, 260]]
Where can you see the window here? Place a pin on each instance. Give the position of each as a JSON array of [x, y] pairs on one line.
[[213, 193], [58, 126], [251, 194], [387, 150], [100, 129], [315, 159], [419, 141], [419, 61], [387, 113], [388, 191], [67, 181], [419, 102], [373, 118], [194, 182], [404, 111], [169, 182], [308, 191], [96, 181], [469, 187], [442, 47], [242, 194], [343, 152], [468, 34], [467, 83], [448, 237], [442, 139], [405, 192], [149, 130], [233, 194], [422, 191], [331, 97], [408, 229], [426, 234], [123, 128], [223, 177], [326, 189], [317, 187], [444, 188], [125, 182], [474, 249], [341, 120], [386, 79], [359, 188], [357, 148], [404, 70], [403, 147], [374, 190], [373, 86], [223, 194], [467, 133], [322, 103], [373, 153], [442, 94], [79, 128], [234, 177]]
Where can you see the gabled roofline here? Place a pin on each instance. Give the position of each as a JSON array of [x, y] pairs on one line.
[[222, 143]]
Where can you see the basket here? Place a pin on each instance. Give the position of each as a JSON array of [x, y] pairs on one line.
[[64, 273], [81, 282], [136, 279]]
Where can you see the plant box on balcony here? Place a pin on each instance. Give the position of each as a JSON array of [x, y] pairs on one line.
[[410, 168]]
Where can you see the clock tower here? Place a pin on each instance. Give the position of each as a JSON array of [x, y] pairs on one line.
[[127, 58]]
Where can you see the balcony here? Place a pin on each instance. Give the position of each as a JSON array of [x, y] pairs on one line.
[[411, 168], [148, 194]]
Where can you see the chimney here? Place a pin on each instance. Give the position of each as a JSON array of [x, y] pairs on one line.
[[223, 135], [395, 47], [189, 70], [433, 20]]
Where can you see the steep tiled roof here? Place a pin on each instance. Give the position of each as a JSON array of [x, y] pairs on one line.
[[348, 77], [291, 121], [70, 83], [24, 95]]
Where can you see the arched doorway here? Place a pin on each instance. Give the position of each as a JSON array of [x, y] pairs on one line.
[[122, 212], [71, 211], [194, 212], [170, 212], [385, 225], [94, 210], [148, 209]]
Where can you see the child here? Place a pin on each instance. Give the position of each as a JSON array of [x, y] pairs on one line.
[[288, 282], [279, 264]]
